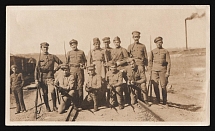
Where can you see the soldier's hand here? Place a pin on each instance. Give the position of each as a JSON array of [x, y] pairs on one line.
[[108, 87], [129, 83], [167, 75], [146, 68], [36, 82], [117, 63]]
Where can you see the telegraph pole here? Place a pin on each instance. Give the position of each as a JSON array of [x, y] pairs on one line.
[[186, 33]]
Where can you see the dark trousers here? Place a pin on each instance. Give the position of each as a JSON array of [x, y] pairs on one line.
[[91, 98], [66, 101], [44, 87], [80, 82], [18, 94], [156, 76]]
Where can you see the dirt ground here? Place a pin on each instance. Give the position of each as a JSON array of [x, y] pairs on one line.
[[187, 93]]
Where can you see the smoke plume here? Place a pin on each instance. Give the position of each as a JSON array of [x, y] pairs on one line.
[[195, 15]]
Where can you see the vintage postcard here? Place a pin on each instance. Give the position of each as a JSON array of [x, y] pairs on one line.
[[108, 65]]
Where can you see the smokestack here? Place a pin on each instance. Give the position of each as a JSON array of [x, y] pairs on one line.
[[194, 15]]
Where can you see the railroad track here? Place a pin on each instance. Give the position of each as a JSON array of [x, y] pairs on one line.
[[149, 112]]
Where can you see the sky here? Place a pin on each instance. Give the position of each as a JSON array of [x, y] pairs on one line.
[[28, 26]]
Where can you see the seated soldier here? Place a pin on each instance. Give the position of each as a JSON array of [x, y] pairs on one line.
[[136, 80], [67, 86], [93, 85], [115, 81]]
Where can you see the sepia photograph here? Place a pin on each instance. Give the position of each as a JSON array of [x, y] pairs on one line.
[[108, 65]]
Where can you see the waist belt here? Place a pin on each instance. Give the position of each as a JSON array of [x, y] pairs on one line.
[[74, 65]]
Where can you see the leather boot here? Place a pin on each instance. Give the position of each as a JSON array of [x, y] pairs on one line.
[[45, 97], [53, 95]]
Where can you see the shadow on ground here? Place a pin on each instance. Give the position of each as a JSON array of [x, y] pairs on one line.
[[191, 107]]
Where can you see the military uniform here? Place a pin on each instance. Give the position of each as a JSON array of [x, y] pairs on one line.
[[43, 69], [76, 59], [120, 55], [16, 84], [138, 52], [93, 85], [96, 57], [115, 81], [139, 88], [159, 64], [68, 89]]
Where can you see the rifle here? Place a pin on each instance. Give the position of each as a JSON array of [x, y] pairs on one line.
[[65, 52], [38, 90], [150, 80], [61, 90]]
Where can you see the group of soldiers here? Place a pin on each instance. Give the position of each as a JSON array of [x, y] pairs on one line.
[[116, 75]]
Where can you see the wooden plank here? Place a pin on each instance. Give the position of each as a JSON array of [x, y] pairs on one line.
[[69, 112]]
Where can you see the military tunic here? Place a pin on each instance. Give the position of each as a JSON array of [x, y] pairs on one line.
[[139, 53], [107, 52], [116, 80], [68, 84], [139, 76], [160, 64], [120, 55], [96, 56]]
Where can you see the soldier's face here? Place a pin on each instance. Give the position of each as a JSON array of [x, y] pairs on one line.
[[65, 72], [117, 43], [107, 43], [132, 64], [14, 70], [159, 44], [136, 38], [91, 72], [97, 45], [45, 49], [74, 46]]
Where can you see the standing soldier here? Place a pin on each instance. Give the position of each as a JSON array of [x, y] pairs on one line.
[[115, 81], [136, 80], [44, 68], [16, 84], [107, 54], [120, 55], [138, 51], [96, 57], [93, 85], [67, 86], [77, 60], [159, 65]]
